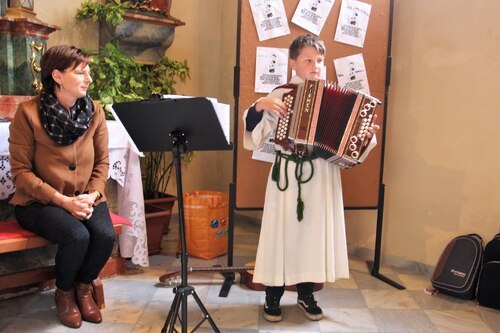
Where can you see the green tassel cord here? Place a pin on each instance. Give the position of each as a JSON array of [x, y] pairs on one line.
[[300, 209], [299, 165]]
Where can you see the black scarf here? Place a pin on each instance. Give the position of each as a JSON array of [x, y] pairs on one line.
[[60, 126]]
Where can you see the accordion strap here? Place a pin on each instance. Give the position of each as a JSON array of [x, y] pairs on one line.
[[299, 173]]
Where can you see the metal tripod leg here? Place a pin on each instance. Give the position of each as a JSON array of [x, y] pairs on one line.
[[180, 301], [205, 313], [172, 314]]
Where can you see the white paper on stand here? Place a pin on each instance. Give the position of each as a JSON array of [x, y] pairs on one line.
[[223, 112]]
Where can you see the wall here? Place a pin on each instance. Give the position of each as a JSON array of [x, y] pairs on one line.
[[441, 160], [83, 35]]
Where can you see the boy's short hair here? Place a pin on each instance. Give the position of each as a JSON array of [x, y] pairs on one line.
[[305, 40]]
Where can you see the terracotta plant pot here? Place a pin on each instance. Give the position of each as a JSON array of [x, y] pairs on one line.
[[158, 213]]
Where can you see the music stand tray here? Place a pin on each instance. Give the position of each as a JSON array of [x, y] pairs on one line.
[[177, 125]]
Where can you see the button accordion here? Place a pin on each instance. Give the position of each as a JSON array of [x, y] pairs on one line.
[[326, 121]]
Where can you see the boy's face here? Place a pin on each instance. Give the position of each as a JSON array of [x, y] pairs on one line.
[[308, 64]]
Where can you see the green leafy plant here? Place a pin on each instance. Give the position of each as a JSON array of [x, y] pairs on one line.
[[114, 77], [119, 78], [157, 170], [111, 11]]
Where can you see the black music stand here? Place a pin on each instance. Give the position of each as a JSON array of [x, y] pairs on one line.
[[179, 125]]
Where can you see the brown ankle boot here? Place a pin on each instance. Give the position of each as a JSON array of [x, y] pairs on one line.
[[88, 307], [67, 310]]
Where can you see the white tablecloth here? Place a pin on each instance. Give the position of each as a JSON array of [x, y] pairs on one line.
[[124, 167]]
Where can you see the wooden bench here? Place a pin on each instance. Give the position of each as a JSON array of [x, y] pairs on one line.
[[13, 238]]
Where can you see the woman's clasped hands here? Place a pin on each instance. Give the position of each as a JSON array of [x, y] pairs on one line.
[[81, 206]]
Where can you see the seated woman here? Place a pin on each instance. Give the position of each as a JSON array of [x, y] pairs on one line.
[[59, 163]]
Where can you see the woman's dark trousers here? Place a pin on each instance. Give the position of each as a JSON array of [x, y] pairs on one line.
[[83, 246]]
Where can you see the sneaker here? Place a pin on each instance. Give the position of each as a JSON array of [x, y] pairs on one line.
[[272, 310], [310, 307]]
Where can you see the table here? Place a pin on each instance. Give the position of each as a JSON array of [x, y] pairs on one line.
[[124, 168]]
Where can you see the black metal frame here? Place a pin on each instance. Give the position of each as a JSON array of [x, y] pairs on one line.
[[183, 290], [374, 266]]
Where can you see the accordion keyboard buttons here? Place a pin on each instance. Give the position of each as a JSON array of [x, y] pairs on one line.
[[366, 117], [281, 132]]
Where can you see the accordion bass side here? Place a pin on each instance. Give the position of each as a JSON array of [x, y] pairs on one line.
[[326, 121]]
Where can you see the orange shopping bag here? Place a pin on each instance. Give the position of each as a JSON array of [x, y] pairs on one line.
[[206, 215]]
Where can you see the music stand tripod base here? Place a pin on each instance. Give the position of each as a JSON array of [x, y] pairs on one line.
[[170, 124], [183, 290], [181, 294]]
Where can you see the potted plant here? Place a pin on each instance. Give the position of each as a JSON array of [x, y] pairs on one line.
[[144, 28], [119, 78], [158, 204], [157, 170]]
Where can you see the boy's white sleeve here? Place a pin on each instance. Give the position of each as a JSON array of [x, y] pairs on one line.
[[254, 139]]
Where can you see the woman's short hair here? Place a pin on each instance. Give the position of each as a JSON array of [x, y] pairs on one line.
[[60, 57], [305, 40]]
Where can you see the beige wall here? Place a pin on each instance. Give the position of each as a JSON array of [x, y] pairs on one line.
[[441, 151], [84, 35]]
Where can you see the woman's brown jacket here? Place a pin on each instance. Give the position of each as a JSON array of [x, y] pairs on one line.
[[41, 167]]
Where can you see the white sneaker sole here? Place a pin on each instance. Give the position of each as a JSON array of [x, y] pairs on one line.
[[273, 319]]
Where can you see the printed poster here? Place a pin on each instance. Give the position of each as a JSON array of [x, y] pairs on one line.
[[353, 22], [271, 68], [270, 18], [351, 73], [312, 14]]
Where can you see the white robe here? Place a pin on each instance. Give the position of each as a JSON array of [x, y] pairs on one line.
[[314, 249]]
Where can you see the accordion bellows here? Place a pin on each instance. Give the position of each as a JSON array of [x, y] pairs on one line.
[[326, 121]]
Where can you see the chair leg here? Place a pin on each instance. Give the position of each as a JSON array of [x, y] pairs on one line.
[[99, 293]]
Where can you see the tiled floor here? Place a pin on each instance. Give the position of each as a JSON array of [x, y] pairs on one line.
[[137, 302]]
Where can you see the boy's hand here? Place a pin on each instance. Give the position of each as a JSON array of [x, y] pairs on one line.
[[373, 129], [270, 104]]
